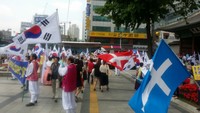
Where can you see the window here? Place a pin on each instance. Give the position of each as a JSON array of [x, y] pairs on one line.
[[103, 41], [122, 29], [125, 41], [139, 30], [101, 18], [100, 28], [96, 6]]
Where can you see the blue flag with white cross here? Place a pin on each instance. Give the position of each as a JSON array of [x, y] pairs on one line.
[[159, 84]]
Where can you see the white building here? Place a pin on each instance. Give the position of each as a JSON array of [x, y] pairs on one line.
[[73, 31], [101, 29], [25, 26], [38, 18]]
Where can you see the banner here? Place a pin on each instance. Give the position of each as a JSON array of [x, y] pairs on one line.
[[118, 35], [88, 9], [196, 72], [18, 69], [158, 86], [46, 31]]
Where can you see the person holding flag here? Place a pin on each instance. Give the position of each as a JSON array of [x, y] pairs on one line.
[[158, 86], [69, 86], [32, 76], [139, 76]]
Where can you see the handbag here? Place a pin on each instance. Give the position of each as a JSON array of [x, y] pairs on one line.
[[49, 77]]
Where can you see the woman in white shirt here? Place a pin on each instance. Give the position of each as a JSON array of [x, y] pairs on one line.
[[104, 69]]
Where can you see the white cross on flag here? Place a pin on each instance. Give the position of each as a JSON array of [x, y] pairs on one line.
[[155, 92], [117, 59], [46, 31]]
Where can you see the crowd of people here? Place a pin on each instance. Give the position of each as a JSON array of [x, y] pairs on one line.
[[69, 74], [187, 60]]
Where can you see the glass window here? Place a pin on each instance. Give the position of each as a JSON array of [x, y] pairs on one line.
[[116, 41], [125, 41], [100, 28], [122, 29], [96, 6], [103, 41], [139, 30], [101, 18]]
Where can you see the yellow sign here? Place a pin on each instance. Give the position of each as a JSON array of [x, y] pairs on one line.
[[118, 35], [196, 72], [87, 23]]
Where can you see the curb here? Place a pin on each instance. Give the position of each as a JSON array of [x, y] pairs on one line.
[[5, 74], [184, 105]]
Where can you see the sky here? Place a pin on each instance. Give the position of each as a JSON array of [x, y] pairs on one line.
[[13, 12]]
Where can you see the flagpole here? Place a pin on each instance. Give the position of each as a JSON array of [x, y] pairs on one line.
[[24, 86]]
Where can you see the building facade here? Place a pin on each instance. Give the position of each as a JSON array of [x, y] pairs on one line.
[[73, 32], [25, 25], [84, 31], [101, 29], [38, 18], [188, 31]]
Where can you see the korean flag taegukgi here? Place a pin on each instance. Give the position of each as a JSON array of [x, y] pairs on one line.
[[158, 86], [46, 31]]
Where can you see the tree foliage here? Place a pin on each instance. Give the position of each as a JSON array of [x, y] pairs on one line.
[[132, 13]]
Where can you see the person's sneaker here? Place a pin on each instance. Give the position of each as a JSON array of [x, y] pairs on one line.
[[30, 104], [35, 102]]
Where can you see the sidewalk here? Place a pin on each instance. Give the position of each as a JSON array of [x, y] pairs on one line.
[[113, 101], [11, 99], [130, 76]]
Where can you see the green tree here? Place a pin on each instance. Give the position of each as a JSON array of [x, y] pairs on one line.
[[132, 13]]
